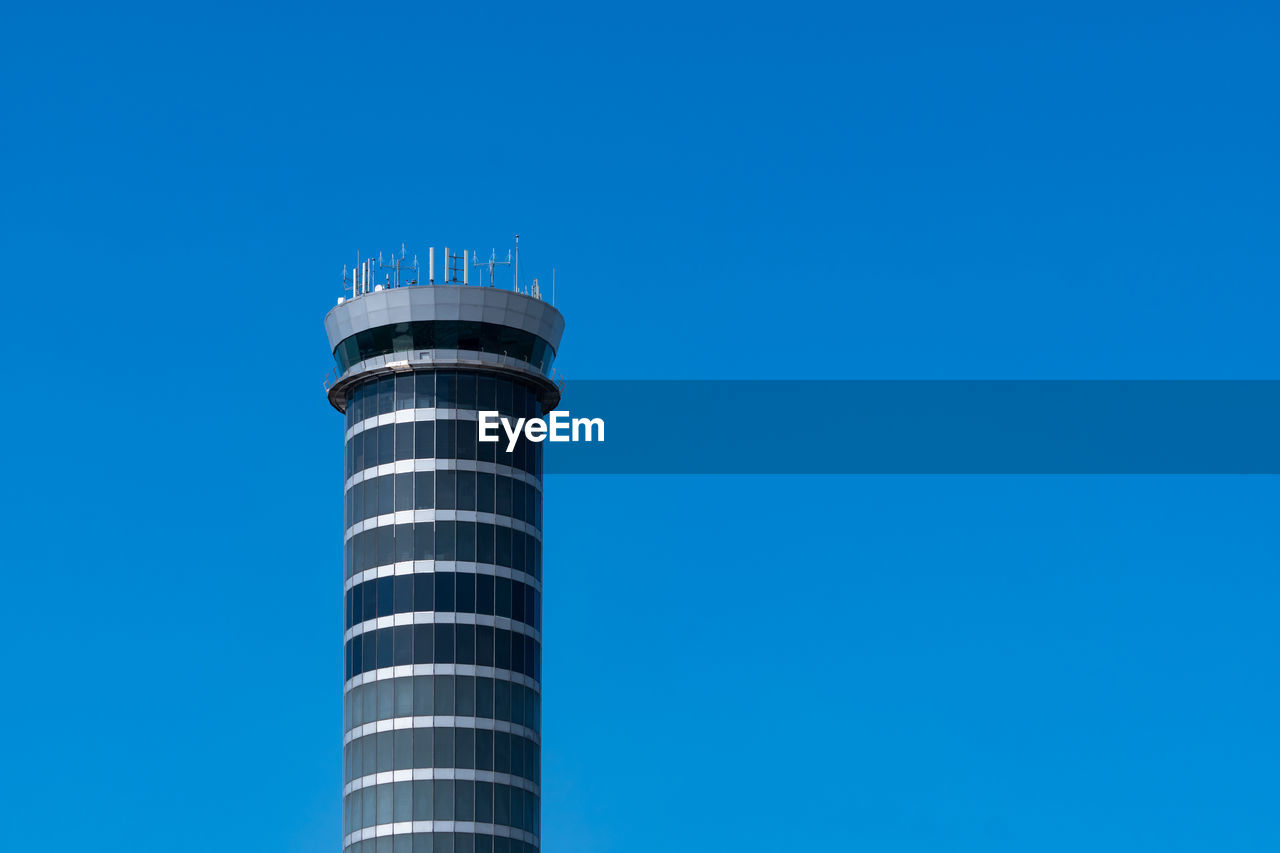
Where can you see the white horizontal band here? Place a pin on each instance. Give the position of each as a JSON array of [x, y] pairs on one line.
[[406, 466], [426, 567], [441, 617], [448, 773], [405, 670], [406, 827], [439, 722], [408, 516], [404, 416]]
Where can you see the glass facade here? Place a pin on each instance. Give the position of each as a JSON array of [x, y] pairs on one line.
[[445, 335], [442, 606], [464, 748], [446, 592]]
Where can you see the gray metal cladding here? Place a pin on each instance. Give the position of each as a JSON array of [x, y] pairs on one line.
[[444, 302]]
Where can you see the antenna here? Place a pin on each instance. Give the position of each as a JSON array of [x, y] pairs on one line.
[[516, 284], [454, 264], [400, 265], [491, 264], [431, 264]]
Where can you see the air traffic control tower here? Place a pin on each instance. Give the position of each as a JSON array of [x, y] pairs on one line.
[[442, 600]]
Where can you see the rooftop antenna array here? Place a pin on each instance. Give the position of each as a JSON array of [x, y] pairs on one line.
[[399, 270]]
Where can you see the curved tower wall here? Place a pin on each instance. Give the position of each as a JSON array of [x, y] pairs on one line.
[[442, 594]]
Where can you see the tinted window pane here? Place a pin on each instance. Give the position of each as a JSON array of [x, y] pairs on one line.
[[446, 390], [484, 646], [443, 748], [403, 593], [467, 439], [484, 594], [424, 595], [466, 541], [502, 535], [425, 388], [465, 644], [404, 491], [423, 806], [424, 440], [444, 583], [423, 647], [466, 489], [385, 596], [386, 395], [444, 799], [446, 439], [402, 645], [444, 692], [404, 440], [404, 542], [484, 543], [505, 406], [386, 444], [465, 588], [484, 492], [424, 540], [446, 490], [486, 394], [445, 540], [465, 695], [466, 391], [504, 496], [443, 644], [386, 494], [424, 489], [484, 749], [404, 391]]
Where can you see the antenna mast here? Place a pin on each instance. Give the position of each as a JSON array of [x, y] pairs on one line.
[[492, 263], [399, 265]]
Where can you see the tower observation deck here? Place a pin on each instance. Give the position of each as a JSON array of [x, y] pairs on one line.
[[442, 595]]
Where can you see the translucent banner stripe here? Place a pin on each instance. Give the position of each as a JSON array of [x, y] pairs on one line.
[[924, 427]]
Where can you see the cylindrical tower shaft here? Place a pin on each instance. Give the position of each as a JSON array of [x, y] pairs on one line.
[[442, 604]]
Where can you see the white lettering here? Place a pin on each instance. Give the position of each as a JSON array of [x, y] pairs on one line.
[[489, 426], [559, 426], [587, 424], [512, 434]]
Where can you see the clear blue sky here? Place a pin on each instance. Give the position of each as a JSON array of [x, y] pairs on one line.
[[756, 664]]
